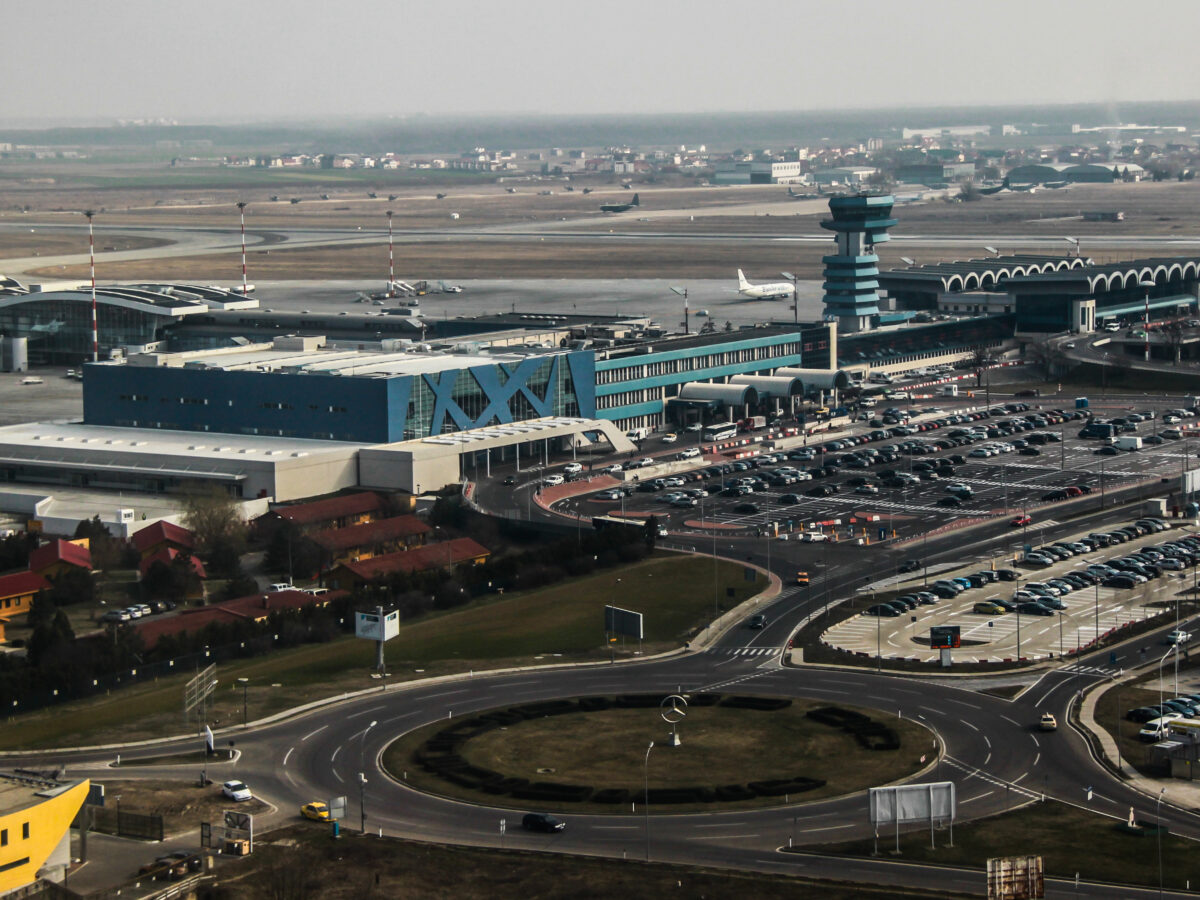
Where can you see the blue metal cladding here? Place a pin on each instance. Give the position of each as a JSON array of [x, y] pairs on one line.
[[345, 407]]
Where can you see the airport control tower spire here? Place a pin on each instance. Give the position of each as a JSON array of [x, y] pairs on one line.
[[859, 222]]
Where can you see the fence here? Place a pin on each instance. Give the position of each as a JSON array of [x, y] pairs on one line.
[[123, 823]]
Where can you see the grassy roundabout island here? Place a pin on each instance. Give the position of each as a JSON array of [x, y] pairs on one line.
[[588, 754]]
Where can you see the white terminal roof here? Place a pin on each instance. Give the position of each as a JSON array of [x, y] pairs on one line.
[[40, 442], [361, 363]]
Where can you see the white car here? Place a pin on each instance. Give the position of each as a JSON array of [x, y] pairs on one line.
[[552, 480], [236, 790], [670, 438], [613, 469], [1178, 636], [814, 537], [573, 468]]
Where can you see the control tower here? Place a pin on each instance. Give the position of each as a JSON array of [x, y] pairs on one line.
[[858, 222]]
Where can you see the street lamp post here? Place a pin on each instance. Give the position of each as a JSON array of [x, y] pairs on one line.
[[362, 780], [646, 799], [1158, 822], [795, 296], [243, 682], [1147, 284], [1174, 649]]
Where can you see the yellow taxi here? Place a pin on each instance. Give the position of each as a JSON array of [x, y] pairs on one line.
[[317, 811]]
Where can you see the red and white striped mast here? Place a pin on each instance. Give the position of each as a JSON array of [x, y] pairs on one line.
[[391, 258], [92, 254], [242, 212]]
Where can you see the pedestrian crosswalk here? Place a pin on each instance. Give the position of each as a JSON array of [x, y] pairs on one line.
[[746, 651], [1081, 669]]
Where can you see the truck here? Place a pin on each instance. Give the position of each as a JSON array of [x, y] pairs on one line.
[[637, 434], [753, 423], [1128, 442], [949, 390], [1102, 430]]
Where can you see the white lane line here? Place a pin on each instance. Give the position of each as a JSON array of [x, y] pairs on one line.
[[1037, 759], [722, 837], [969, 725], [365, 712], [1011, 721], [336, 775], [288, 755], [828, 828], [311, 733], [445, 694], [722, 825], [977, 797], [987, 741], [336, 751], [617, 827], [1036, 742], [962, 703], [987, 758]]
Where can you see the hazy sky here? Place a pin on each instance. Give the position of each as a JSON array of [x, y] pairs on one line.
[[198, 61]]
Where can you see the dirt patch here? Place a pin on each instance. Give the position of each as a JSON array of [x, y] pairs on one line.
[[182, 803]]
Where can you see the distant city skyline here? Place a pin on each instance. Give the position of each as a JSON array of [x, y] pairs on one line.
[[236, 59]]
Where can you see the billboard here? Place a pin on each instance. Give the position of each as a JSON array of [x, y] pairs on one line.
[[623, 621], [375, 627], [1015, 878], [912, 803], [943, 637]]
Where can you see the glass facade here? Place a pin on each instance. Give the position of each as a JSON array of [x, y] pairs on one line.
[[59, 330]]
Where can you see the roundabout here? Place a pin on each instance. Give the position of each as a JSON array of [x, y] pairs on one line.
[[589, 754]]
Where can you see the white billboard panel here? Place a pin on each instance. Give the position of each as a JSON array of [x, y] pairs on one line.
[[377, 628], [912, 803]]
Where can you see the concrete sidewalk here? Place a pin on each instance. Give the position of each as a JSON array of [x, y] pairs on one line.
[[1176, 791]]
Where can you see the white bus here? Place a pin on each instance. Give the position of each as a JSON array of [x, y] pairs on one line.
[[721, 431]]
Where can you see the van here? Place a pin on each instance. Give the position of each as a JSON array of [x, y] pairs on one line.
[[1156, 729], [880, 378]]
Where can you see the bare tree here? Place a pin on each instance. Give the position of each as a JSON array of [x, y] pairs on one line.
[[215, 518]]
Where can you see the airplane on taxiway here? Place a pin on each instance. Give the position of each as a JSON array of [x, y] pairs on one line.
[[620, 207], [780, 290]]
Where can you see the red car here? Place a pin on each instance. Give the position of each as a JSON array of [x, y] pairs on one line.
[[1021, 521]]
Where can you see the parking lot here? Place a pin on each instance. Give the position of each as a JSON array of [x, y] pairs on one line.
[[904, 479], [1089, 611]]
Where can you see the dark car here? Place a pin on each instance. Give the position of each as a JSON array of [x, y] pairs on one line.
[[510, 479], [1107, 450], [789, 498], [952, 502], [745, 508], [1030, 451], [882, 609], [757, 621], [910, 565], [1142, 714], [542, 822], [1034, 609], [821, 490]]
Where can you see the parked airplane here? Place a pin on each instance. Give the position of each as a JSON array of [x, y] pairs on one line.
[[372, 195], [620, 207], [780, 290], [989, 189], [792, 195], [1056, 185]]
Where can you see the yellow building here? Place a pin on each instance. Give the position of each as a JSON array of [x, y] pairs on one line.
[[35, 828]]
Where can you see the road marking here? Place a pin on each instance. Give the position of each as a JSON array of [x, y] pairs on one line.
[[311, 733], [977, 797], [971, 726], [336, 751], [1037, 759], [1036, 743], [288, 755], [446, 693], [987, 741], [828, 828], [721, 825], [336, 775], [617, 827], [987, 759], [721, 837], [1011, 721], [365, 711]]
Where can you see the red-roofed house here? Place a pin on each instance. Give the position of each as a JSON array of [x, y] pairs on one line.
[[359, 542], [254, 607], [445, 554], [153, 538], [52, 559], [168, 555], [17, 591], [332, 512]]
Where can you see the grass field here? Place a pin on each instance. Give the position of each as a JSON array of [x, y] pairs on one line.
[[554, 624], [1069, 840], [719, 745], [303, 862]]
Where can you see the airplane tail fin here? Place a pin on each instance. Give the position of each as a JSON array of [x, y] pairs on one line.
[[636, 201], [743, 284]]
